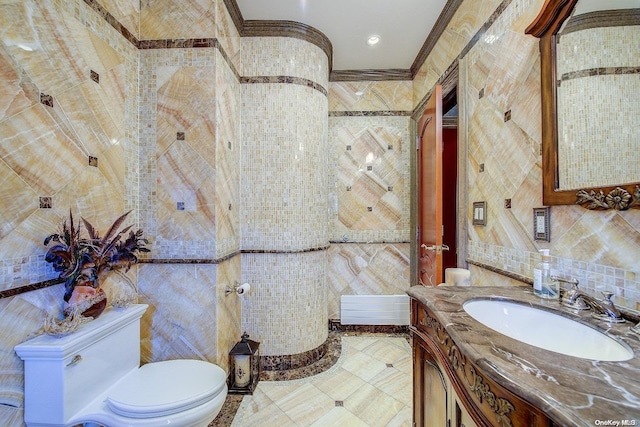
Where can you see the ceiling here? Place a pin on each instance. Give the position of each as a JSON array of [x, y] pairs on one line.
[[402, 25]]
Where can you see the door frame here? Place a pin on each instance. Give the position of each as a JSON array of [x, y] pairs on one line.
[[450, 81]]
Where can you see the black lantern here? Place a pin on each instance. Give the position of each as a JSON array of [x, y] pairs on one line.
[[245, 366]]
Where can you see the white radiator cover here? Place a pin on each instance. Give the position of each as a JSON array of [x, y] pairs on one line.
[[374, 310]]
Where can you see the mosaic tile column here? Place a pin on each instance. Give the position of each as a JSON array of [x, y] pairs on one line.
[[284, 193]]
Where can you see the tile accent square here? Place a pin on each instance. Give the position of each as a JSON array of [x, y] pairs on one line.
[[45, 202], [507, 203], [180, 136], [180, 206], [95, 77], [46, 99], [481, 167], [339, 403], [93, 161], [507, 116]]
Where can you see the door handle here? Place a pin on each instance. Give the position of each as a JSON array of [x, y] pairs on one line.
[[431, 248], [435, 248]]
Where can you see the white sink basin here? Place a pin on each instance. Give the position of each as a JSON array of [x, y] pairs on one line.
[[547, 330]]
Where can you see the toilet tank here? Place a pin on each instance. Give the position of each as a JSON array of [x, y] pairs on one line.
[[62, 375]]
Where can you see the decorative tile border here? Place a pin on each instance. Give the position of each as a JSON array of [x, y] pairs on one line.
[[286, 80], [369, 113], [317, 361], [502, 272], [300, 360], [52, 282], [518, 264], [600, 71], [28, 288]]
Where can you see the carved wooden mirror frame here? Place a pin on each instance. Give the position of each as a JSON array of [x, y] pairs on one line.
[[622, 197]]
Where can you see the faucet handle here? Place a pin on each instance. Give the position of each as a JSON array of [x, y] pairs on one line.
[[610, 312], [607, 296], [573, 297]]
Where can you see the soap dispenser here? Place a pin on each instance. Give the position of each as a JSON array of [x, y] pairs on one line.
[[543, 285]]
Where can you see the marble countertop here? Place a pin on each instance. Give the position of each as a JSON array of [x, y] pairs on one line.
[[572, 391]]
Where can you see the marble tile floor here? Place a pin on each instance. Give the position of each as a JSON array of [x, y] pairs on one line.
[[369, 385]]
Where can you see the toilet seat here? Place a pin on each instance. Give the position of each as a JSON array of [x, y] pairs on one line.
[[164, 388]]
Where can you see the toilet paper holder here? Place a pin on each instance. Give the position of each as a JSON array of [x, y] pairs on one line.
[[238, 288]]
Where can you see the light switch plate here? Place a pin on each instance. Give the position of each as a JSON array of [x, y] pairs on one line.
[[479, 213], [542, 224]]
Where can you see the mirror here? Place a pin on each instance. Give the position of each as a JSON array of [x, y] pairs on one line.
[[590, 136]]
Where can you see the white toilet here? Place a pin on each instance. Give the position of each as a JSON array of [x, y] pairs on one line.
[[93, 377]]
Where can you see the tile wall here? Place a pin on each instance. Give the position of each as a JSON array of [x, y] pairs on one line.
[[499, 97], [609, 78], [284, 193], [76, 87], [51, 103], [369, 194], [67, 93]]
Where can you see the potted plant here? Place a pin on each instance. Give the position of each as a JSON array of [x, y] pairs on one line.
[[84, 261]]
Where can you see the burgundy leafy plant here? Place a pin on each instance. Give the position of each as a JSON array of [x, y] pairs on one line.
[[83, 261]]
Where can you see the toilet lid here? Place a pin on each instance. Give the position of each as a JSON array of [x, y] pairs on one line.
[[164, 388]]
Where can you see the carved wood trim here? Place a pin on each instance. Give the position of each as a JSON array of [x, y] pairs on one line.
[[477, 384], [551, 17]]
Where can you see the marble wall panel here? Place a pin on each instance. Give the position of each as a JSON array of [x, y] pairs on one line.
[[369, 178], [228, 310], [67, 51], [371, 96], [178, 151], [184, 327], [227, 159], [52, 47], [186, 154], [228, 36], [467, 20], [126, 12], [177, 19], [366, 269]]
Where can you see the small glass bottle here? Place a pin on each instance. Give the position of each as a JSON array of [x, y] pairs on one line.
[[543, 286]]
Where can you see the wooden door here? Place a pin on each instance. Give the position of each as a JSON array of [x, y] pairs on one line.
[[430, 268]]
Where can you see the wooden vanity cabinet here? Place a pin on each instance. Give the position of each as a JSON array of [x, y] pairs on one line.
[[450, 391]]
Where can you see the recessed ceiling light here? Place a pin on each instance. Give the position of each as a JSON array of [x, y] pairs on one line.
[[373, 40]]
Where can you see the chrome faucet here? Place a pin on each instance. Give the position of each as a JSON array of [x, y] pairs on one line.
[[571, 297], [603, 309]]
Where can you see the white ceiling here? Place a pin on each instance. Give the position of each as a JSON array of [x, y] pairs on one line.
[[403, 27]]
